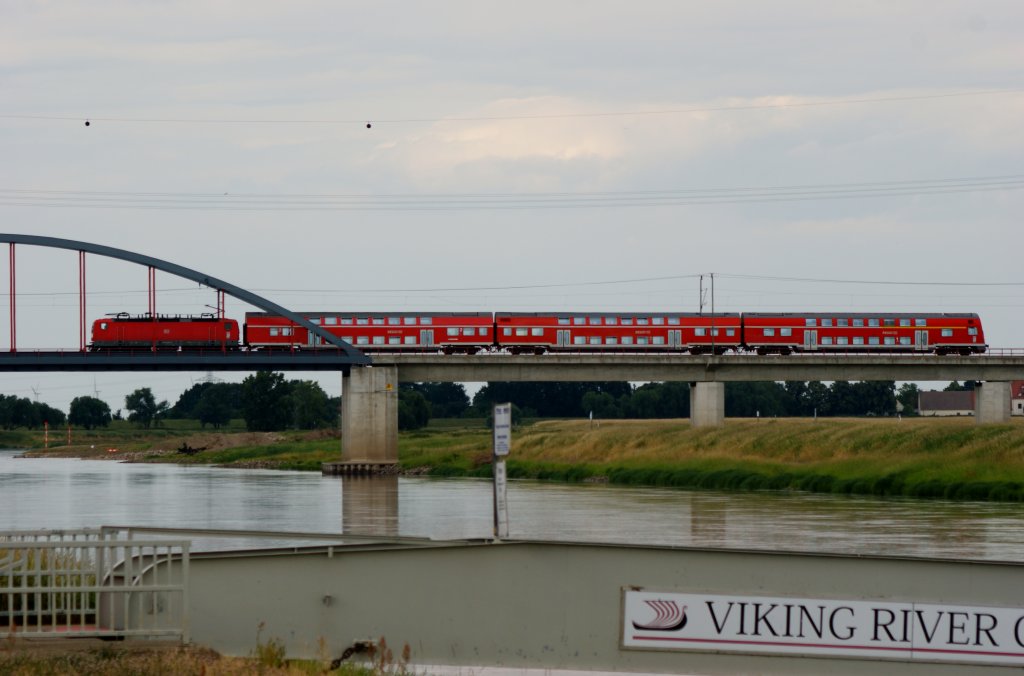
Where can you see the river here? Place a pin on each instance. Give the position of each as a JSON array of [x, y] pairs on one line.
[[57, 493]]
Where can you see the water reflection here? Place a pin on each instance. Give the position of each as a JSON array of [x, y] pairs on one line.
[[64, 493]]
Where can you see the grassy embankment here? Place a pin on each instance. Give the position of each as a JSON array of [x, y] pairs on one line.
[[946, 458]]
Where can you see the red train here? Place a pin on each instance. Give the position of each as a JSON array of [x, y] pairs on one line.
[[539, 332]]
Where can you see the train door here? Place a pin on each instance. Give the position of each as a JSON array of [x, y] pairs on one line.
[[675, 339], [426, 337], [563, 338], [811, 340], [313, 339], [920, 340]]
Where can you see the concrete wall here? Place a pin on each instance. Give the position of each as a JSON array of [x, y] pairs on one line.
[[549, 605], [369, 415]]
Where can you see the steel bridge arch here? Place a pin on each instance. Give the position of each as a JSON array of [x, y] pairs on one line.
[[241, 294]]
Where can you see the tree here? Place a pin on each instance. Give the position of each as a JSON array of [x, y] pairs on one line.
[[89, 412], [143, 407], [311, 407], [413, 409], [602, 405], [188, 400], [214, 406], [265, 402], [447, 400], [907, 396]]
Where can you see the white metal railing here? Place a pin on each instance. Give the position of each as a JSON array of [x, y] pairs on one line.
[[92, 582]]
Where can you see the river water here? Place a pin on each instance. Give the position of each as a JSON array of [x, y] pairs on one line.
[[69, 493]]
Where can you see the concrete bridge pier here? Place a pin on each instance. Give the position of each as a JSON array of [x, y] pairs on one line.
[[369, 421], [707, 404], [992, 402]]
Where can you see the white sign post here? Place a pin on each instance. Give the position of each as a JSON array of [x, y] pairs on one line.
[[502, 445]]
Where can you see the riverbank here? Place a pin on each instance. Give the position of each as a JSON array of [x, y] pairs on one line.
[[915, 457]]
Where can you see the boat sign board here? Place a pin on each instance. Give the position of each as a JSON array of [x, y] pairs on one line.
[[822, 627]]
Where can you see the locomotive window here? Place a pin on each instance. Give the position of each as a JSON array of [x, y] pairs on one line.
[[873, 322], [394, 340], [826, 322], [426, 320], [785, 332], [658, 321], [700, 332], [659, 340], [858, 322], [378, 340], [394, 321], [579, 340], [920, 322], [579, 321], [521, 332], [453, 331], [842, 322], [378, 321], [890, 322], [904, 322], [674, 321], [330, 320], [595, 340], [769, 332], [563, 321], [627, 321], [611, 321], [627, 340], [611, 341], [536, 332], [890, 340], [346, 320], [826, 340], [362, 321], [410, 340], [227, 326], [904, 340], [842, 340], [810, 321], [641, 321], [595, 321], [873, 340], [858, 340], [409, 320], [947, 333], [972, 331], [103, 326]]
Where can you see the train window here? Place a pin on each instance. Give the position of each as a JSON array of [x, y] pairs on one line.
[[275, 332], [331, 321], [595, 340], [642, 340], [579, 340], [611, 321], [826, 340], [700, 332], [904, 322], [658, 321], [469, 331], [394, 321], [287, 331], [347, 339], [714, 332], [409, 320], [563, 321], [426, 320], [858, 340], [873, 322], [627, 340], [103, 326], [483, 330], [506, 331], [785, 332], [537, 332], [641, 321], [890, 322], [378, 340], [346, 320], [394, 340], [409, 340], [315, 320], [842, 340], [810, 321], [378, 321], [920, 322], [453, 331], [521, 332], [595, 321], [972, 331], [627, 321], [579, 321], [769, 332], [890, 340], [730, 332], [362, 340], [904, 340], [611, 341], [826, 322], [659, 340], [362, 321], [842, 322], [858, 322], [673, 321], [873, 340], [947, 333]]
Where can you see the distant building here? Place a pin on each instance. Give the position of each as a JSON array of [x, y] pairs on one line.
[[1017, 397], [946, 403]]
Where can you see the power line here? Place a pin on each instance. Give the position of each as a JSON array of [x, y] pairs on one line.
[[495, 118]]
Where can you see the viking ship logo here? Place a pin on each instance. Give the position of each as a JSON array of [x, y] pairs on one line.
[[668, 616]]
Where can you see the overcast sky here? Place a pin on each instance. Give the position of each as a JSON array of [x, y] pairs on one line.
[[553, 145]]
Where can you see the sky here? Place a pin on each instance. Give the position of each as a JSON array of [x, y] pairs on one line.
[[478, 156]]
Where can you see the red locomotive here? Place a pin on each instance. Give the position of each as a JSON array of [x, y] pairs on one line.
[[539, 332]]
